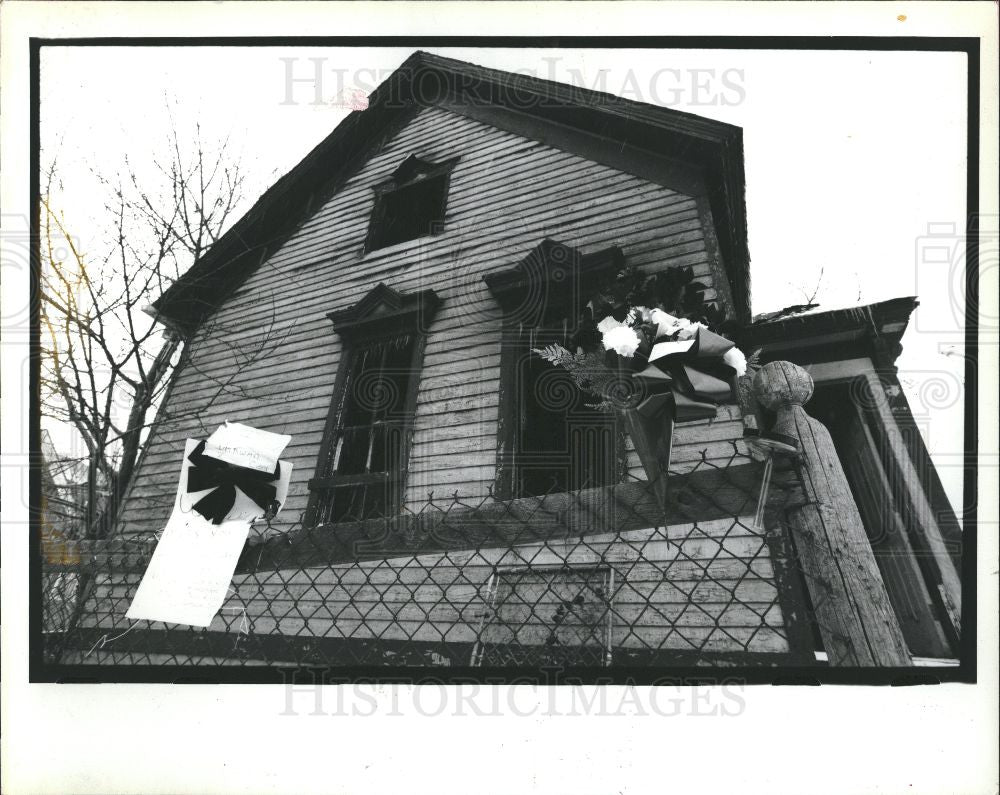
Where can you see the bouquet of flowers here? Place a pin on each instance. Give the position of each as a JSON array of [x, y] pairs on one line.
[[650, 348]]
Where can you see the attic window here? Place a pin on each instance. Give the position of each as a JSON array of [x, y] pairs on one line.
[[410, 204]]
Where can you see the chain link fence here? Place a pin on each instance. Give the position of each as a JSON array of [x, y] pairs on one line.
[[599, 577]]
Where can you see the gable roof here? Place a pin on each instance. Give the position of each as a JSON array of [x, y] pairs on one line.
[[659, 144]]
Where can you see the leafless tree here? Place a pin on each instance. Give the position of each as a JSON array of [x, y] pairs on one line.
[[104, 360]]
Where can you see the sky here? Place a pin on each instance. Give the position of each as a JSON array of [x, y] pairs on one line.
[[855, 161]]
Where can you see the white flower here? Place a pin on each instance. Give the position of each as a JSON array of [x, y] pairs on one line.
[[668, 325], [665, 323], [735, 358], [621, 339], [687, 328], [630, 319], [692, 330], [608, 323]]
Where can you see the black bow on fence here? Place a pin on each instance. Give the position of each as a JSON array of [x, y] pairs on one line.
[[224, 478]]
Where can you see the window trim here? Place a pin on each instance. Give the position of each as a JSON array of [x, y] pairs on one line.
[[551, 274], [382, 314], [490, 607], [411, 172]]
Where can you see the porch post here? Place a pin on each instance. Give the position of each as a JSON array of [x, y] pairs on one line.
[[852, 609]]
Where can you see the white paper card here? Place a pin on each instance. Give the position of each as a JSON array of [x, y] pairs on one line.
[[662, 349], [244, 446], [192, 566], [188, 577]]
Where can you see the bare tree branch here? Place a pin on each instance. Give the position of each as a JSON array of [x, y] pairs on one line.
[[105, 362]]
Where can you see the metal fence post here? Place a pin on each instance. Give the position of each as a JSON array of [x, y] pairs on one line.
[[855, 618]]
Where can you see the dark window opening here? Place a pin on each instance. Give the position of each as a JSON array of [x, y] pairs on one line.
[[366, 450], [561, 442], [552, 437], [410, 205]]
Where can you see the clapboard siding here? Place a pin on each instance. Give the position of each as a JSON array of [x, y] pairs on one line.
[[717, 436], [292, 334], [269, 356], [706, 587]]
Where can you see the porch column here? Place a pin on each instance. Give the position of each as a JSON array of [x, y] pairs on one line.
[[850, 602]]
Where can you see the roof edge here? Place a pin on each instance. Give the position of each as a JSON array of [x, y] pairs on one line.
[[876, 328], [714, 146]]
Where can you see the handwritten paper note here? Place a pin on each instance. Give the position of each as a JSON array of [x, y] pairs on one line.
[[188, 577], [662, 349], [248, 447], [189, 574]]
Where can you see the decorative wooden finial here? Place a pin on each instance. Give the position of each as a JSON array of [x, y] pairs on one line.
[[782, 387]]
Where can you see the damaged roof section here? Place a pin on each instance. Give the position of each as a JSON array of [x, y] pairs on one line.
[[813, 336]]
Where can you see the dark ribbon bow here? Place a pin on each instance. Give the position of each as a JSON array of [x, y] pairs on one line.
[[224, 478], [689, 383]]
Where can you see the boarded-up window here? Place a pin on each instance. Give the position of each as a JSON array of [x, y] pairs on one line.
[[540, 617]]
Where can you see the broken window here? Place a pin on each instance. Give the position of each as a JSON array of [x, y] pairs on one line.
[[362, 464], [410, 204], [552, 437], [365, 457]]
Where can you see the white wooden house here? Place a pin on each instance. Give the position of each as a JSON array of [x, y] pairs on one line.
[[449, 496]]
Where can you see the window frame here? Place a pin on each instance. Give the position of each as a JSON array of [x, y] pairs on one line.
[[383, 314], [501, 575], [551, 275], [413, 171]]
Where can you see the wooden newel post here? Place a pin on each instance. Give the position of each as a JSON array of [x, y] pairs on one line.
[[851, 605]]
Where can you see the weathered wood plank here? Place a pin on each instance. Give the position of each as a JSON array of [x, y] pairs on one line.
[[472, 583], [503, 182], [525, 619], [183, 647], [853, 610], [702, 495], [699, 496]]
